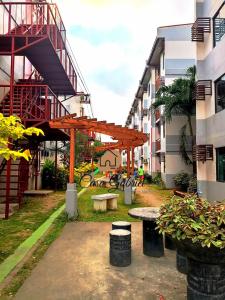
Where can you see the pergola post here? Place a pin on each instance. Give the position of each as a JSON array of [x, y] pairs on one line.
[[132, 160], [71, 192], [128, 162]]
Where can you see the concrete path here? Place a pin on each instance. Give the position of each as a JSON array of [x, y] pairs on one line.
[[76, 266]]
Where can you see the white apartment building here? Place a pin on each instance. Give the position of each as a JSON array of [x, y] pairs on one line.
[[172, 54]]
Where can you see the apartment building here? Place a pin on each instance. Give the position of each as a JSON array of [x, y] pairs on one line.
[[171, 55], [208, 33]]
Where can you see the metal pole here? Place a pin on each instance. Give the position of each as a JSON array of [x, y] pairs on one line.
[[12, 76], [56, 154]]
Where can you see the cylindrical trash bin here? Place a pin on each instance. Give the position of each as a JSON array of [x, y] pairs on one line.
[[120, 247], [121, 225]]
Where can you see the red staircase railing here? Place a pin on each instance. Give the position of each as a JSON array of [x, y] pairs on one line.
[[32, 102], [40, 19]]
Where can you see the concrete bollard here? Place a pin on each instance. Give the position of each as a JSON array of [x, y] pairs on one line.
[[121, 225], [128, 195], [71, 200], [120, 248]]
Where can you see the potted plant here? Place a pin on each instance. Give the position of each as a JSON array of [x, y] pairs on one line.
[[198, 229]]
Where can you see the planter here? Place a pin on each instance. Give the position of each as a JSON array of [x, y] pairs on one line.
[[206, 271], [169, 243], [181, 262]]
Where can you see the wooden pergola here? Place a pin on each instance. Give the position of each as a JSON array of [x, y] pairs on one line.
[[126, 138]]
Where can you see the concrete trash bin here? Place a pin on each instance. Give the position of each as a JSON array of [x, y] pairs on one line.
[[120, 248]]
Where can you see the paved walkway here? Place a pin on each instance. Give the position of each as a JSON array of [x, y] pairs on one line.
[[76, 267]]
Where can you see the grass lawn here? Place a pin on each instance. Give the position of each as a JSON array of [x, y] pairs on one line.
[[25, 221], [86, 212]]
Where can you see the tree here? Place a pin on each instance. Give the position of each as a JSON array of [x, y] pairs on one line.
[[178, 99], [12, 130]]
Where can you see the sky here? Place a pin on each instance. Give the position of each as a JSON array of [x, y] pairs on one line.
[[111, 40]]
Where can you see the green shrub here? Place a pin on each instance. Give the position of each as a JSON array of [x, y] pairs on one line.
[[181, 181], [158, 180], [148, 178], [194, 219], [48, 174], [192, 187]]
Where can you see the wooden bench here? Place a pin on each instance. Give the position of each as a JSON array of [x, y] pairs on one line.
[[105, 201]]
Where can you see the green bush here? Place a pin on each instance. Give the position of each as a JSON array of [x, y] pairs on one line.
[[194, 219], [48, 174], [62, 178], [158, 180], [148, 178], [192, 187], [181, 181]]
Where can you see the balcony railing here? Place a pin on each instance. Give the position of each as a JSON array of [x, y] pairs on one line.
[[199, 28], [38, 19], [157, 115], [159, 82], [145, 112], [202, 152], [203, 88], [32, 103], [158, 145]]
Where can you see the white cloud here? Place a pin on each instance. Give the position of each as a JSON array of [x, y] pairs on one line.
[[140, 18]]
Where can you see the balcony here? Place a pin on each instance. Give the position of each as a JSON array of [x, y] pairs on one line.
[[159, 82], [145, 112], [157, 116], [202, 153], [36, 31], [203, 88], [158, 145], [199, 28]]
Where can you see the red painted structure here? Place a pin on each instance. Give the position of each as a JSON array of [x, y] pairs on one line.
[[34, 31]]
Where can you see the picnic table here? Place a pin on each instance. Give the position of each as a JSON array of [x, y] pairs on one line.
[[152, 240]]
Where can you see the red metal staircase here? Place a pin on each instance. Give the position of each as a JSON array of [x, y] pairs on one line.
[[35, 31]]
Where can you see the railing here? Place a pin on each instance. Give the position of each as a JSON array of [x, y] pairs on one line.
[[202, 152], [39, 19], [145, 112], [219, 29], [202, 89], [158, 145], [33, 103], [159, 82], [157, 115], [201, 26]]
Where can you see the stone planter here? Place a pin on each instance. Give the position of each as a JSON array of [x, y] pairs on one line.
[[206, 271]]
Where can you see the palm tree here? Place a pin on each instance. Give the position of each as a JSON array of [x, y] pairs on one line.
[[178, 99]]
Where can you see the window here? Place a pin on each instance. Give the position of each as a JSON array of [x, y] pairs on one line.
[[220, 161], [145, 106], [220, 93], [219, 25], [149, 89], [145, 127]]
